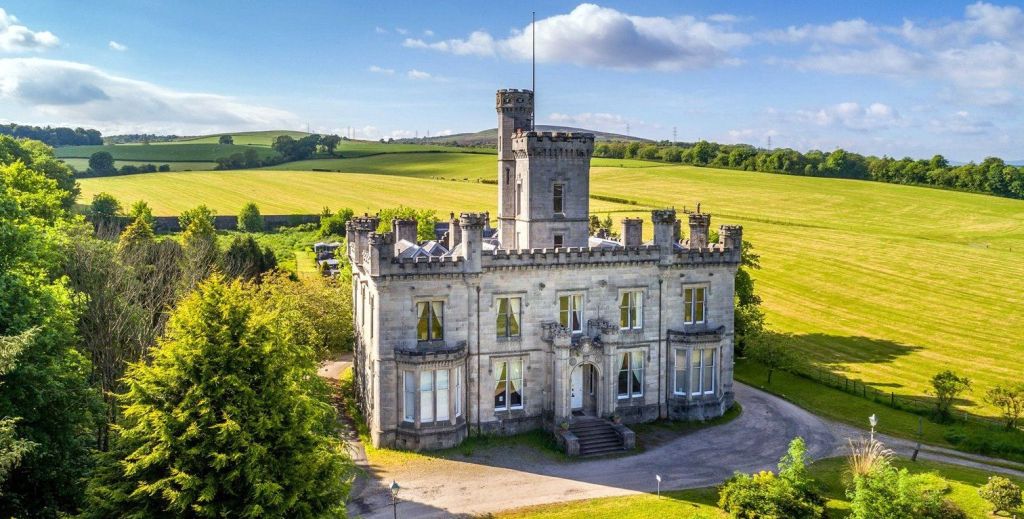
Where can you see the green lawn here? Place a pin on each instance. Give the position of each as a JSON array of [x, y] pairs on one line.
[[160, 153], [264, 138], [83, 164], [702, 502], [885, 283]]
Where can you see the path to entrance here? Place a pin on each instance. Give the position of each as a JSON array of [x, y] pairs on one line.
[[498, 480]]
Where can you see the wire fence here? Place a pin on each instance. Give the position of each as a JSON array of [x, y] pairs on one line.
[[919, 406]]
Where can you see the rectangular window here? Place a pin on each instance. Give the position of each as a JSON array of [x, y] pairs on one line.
[[558, 191], [430, 325], [509, 314], [426, 396], [702, 372], [508, 389], [570, 312], [679, 372], [458, 392], [441, 387], [371, 316], [559, 241], [631, 310], [631, 374], [409, 400], [693, 304]]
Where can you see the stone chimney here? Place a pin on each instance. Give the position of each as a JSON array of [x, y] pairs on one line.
[[361, 228], [382, 250], [472, 225], [632, 232], [700, 224], [677, 231], [730, 237], [664, 227], [454, 232], [404, 229]]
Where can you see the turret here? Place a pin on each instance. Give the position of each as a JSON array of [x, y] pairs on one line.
[[730, 237], [632, 232], [700, 224], [515, 114], [472, 225], [382, 250], [361, 227]]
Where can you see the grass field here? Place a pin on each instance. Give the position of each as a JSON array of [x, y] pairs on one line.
[[881, 282], [265, 138], [160, 153], [702, 502], [83, 164]]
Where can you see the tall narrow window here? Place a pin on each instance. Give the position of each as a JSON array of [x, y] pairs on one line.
[[631, 310], [558, 198], [508, 388], [570, 312], [559, 240], [631, 374], [679, 372], [430, 324], [702, 375], [519, 198], [441, 387], [371, 316], [458, 392], [409, 400], [508, 176], [426, 396], [508, 318], [693, 304]]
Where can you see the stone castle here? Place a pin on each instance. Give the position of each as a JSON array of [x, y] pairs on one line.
[[536, 323]]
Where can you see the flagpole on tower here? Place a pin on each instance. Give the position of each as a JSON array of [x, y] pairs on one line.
[[533, 86]]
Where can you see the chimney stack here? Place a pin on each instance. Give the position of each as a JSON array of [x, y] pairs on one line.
[[664, 227], [405, 229], [700, 224], [632, 232], [454, 232], [730, 236], [472, 225]]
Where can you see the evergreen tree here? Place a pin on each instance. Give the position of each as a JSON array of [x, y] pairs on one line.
[[249, 219], [228, 419]]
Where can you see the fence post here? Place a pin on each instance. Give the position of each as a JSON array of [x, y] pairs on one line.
[[892, 399], [847, 388]]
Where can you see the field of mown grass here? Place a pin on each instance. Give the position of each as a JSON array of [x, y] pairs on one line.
[[702, 502], [83, 164], [886, 283], [261, 138], [155, 153]]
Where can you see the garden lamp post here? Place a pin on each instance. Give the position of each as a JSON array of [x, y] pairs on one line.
[[658, 477], [873, 420], [394, 497]]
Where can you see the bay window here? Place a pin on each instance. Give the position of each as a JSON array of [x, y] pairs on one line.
[[702, 371], [429, 393]]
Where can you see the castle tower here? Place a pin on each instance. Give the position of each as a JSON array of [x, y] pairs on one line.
[[552, 204], [515, 112]]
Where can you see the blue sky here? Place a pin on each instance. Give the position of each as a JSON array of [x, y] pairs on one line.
[[896, 78]]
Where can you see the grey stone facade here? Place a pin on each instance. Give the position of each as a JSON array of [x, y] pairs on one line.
[[487, 335]]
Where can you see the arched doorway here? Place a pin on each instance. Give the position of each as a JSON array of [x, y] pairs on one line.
[[584, 388]]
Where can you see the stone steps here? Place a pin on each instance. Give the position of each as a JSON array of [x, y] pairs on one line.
[[596, 436]]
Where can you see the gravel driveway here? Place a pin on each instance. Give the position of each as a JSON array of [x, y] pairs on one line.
[[501, 479]]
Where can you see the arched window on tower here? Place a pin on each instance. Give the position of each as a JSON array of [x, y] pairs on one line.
[[508, 176]]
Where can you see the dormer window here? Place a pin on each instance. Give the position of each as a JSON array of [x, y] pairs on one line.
[[558, 200]]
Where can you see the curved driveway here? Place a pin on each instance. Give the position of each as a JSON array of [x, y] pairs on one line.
[[509, 478]]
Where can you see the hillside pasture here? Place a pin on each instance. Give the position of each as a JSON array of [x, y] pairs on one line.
[[884, 283], [83, 164], [264, 138], [160, 153]]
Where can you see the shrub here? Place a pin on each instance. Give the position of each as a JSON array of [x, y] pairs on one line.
[[334, 225], [1010, 401], [250, 219], [791, 494], [1004, 495], [946, 386]]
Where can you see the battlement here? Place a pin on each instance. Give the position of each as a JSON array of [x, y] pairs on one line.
[[514, 100], [664, 216], [564, 145]]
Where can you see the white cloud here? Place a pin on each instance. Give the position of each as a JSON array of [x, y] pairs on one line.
[[428, 32], [845, 32], [401, 31], [380, 30], [853, 116], [117, 46], [15, 37], [591, 35], [418, 74], [380, 70], [960, 123], [478, 43], [76, 93]]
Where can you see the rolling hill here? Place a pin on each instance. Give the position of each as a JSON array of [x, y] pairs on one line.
[[490, 137], [881, 282]]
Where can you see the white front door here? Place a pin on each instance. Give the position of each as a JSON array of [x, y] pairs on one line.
[[576, 388]]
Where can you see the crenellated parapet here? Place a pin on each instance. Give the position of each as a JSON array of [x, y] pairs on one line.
[[554, 145], [730, 237], [514, 100]]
